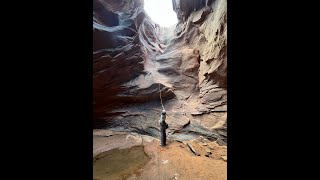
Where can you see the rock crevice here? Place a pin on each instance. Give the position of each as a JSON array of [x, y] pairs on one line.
[[133, 56]]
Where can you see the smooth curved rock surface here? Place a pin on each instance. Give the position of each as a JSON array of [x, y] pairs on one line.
[[134, 58]]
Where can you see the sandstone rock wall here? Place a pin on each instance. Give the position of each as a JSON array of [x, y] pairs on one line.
[[203, 30], [124, 39], [133, 58]]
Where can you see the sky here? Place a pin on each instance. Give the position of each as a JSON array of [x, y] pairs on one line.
[[161, 12]]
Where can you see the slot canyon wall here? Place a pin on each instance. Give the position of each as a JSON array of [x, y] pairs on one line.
[[134, 58]]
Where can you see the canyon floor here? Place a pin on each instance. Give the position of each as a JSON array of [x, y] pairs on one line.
[[124, 155]]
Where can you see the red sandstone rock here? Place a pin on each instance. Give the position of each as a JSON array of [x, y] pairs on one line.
[[133, 57]]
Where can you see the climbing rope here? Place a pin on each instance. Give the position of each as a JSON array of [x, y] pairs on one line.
[[161, 98], [182, 104]]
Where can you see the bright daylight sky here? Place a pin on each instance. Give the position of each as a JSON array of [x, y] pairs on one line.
[[161, 12]]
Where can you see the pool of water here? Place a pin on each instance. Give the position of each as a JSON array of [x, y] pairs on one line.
[[119, 164]]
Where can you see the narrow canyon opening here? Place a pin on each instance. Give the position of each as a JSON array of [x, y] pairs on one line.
[[161, 12]]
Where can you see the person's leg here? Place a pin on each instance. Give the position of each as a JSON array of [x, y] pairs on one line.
[[163, 136]]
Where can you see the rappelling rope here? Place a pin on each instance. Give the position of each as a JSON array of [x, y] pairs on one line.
[[161, 98], [182, 104]]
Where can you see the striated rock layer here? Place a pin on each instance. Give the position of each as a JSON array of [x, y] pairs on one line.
[[124, 39], [134, 58]]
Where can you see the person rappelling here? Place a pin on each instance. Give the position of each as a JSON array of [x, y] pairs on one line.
[[163, 127], [163, 124]]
